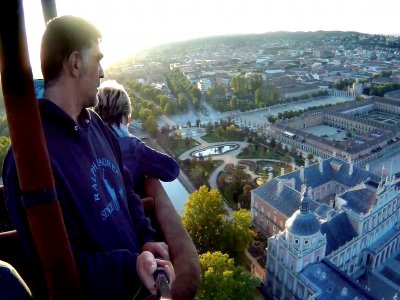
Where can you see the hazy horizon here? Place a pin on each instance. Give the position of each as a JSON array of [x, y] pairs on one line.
[[130, 26]]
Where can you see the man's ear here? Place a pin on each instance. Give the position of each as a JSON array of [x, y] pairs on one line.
[[75, 64]]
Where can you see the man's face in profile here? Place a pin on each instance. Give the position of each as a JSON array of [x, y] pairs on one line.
[[91, 75]]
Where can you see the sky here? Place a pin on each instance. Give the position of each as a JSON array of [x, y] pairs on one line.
[[129, 26]]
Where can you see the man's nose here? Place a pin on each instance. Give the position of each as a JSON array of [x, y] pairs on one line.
[[101, 72]]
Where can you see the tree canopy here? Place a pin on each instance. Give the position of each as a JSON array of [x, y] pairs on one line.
[[204, 217], [239, 85], [208, 224], [222, 280], [4, 145], [237, 235]]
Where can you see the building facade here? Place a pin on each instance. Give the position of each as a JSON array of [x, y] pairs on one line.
[[374, 136], [349, 250]]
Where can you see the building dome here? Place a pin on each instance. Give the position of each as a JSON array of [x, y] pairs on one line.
[[303, 222]]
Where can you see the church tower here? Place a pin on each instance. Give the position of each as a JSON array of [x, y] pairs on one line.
[[304, 238], [300, 244]]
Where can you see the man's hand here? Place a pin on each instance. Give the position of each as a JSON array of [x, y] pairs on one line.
[[147, 264], [158, 249]]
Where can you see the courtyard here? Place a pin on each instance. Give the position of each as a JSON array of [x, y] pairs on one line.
[[329, 132], [387, 165], [382, 117]]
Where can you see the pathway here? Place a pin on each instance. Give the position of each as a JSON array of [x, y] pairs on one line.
[[227, 158]]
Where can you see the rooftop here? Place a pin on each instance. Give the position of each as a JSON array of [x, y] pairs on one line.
[[360, 199], [334, 237], [279, 193], [303, 222], [332, 283]]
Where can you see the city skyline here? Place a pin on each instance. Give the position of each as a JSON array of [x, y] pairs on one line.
[[126, 32]]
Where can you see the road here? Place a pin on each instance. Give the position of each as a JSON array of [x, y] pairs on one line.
[[253, 118]]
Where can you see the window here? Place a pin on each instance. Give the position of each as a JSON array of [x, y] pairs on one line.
[[274, 227], [281, 223], [306, 242], [262, 209], [296, 241], [255, 213]]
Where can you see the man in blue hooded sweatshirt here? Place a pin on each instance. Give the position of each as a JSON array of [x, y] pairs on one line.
[[111, 239]]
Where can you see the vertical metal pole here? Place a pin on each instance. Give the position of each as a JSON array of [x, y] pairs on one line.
[[31, 157], [49, 10]]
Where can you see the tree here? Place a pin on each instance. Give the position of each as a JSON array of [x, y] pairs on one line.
[[162, 100], [239, 179], [258, 98], [209, 127], [145, 113], [150, 125], [271, 94], [4, 144], [204, 218], [237, 235], [245, 199], [233, 103], [182, 102], [255, 82], [239, 85], [196, 93], [3, 125], [170, 108], [207, 222], [272, 119], [221, 279], [209, 93], [272, 143], [197, 175]]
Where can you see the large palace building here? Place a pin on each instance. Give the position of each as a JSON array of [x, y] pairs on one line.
[[372, 127], [341, 242]]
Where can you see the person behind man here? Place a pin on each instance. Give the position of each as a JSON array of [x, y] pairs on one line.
[[111, 239], [115, 109]]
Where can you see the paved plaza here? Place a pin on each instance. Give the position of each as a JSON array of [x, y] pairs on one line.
[[329, 132]]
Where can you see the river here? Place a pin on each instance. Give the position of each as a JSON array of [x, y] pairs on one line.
[[177, 193]]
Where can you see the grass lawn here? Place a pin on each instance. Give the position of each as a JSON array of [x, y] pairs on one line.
[[263, 154], [182, 146], [226, 137]]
